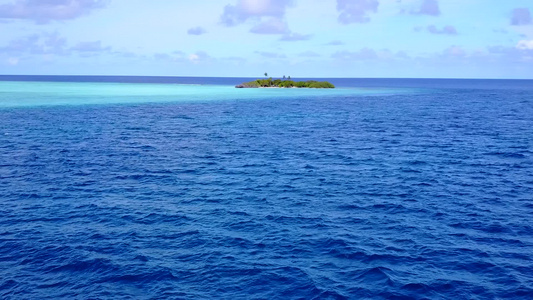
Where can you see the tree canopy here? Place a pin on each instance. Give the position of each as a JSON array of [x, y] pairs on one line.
[[269, 82]]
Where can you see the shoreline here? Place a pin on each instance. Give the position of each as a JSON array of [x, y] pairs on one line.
[[283, 83], [240, 86]]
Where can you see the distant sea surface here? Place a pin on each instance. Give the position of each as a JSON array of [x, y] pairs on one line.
[[187, 188]]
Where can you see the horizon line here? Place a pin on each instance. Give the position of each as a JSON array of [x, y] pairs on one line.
[[313, 77]]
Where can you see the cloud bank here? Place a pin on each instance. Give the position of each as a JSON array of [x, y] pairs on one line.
[[428, 7], [355, 11], [44, 11], [246, 9], [48, 43], [52, 44]]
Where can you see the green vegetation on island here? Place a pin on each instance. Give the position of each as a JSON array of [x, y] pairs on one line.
[[285, 83]]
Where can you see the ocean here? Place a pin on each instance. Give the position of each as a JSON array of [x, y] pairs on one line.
[[187, 188]]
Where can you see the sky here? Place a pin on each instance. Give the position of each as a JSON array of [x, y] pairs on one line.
[[246, 38]]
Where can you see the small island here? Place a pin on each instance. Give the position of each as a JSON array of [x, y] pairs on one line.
[[285, 83]]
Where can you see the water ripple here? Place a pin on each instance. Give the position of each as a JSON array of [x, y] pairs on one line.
[[406, 196]]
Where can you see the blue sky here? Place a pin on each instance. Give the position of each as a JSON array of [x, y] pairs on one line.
[[301, 38]]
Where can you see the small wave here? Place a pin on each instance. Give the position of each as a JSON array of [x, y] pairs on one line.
[[375, 275], [416, 163], [489, 228], [506, 154], [140, 278], [389, 207], [8, 284], [98, 265]]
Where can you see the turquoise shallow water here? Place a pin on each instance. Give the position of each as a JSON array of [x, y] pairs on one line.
[[25, 94], [381, 189]]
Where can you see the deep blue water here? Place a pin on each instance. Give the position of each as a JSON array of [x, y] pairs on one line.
[[422, 194]]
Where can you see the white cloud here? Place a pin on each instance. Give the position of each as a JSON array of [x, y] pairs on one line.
[[525, 45], [13, 61], [95, 46], [454, 51], [199, 56], [271, 26], [194, 57], [291, 37], [257, 7]]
